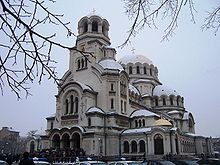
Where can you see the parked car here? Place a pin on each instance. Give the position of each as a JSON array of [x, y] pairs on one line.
[[2, 162], [124, 162], [185, 162], [157, 162], [40, 161], [209, 161]]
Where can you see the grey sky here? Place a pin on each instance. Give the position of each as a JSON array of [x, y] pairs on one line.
[[188, 63]]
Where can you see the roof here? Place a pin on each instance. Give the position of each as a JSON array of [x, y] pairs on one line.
[[138, 130], [173, 112], [132, 58], [142, 112], [133, 89], [95, 110], [162, 122], [164, 90], [111, 64], [84, 86]]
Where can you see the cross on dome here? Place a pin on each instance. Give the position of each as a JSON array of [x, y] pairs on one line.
[[132, 50]]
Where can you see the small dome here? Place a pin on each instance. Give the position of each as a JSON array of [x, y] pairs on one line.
[[162, 122], [163, 90], [95, 110], [134, 59], [111, 64], [134, 89]]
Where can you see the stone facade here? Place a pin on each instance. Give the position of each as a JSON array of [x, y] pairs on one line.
[[109, 107]]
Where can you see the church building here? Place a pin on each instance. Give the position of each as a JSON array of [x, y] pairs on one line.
[[109, 107]]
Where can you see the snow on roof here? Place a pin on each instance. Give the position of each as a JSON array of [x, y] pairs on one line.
[[173, 112], [84, 86], [145, 95], [186, 116], [142, 112], [111, 64], [141, 80], [132, 58], [138, 130], [133, 89], [95, 110], [174, 129], [164, 90]]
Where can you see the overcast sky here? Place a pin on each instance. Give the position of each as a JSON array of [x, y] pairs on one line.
[[188, 63]]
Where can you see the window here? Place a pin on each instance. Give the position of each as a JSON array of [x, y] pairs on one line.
[[143, 122], [126, 147], [85, 27], [77, 105], [145, 70], [71, 104], [136, 123], [138, 70], [95, 26], [89, 121], [133, 146], [130, 70], [171, 101], [122, 106], [51, 125], [150, 71], [67, 106], [82, 62], [78, 64], [156, 102], [125, 108], [164, 101], [112, 103], [112, 87], [142, 146]]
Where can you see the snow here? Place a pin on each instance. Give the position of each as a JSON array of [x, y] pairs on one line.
[[95, 110], [172, 112], [111, 64], [139, 130], [134, 59], [164, 90], [133, 89], [142, 112], [186, 116], [142, 80], [83, 86]]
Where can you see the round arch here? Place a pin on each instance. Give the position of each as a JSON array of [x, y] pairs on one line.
[[56, 141], [65, 140], [158, 144]]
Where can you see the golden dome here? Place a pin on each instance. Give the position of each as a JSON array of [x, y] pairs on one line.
[[162, 122]]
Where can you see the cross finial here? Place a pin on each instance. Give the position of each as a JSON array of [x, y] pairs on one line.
[[93, 11], [132, 50]]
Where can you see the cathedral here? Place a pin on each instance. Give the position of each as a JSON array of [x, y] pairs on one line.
[[117, 107]]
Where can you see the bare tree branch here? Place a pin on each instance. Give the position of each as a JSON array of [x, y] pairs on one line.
[[26, 53], [146, 13], [212, 21]]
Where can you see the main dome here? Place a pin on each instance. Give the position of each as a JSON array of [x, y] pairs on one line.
[[133, 58]]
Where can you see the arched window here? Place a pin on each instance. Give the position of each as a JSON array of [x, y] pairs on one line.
[[145, 70], [95, 26], [78, 64], [82, 62], [89, 121], [143, 122], [86, 62], [139, 123], [177, 101], [142, 146], [77, 105], [71, 104], [130, 69], [158, 144], [150, 72], [138, 70], [133, 146], [126, 147], [85, 27], [171, 101], [67, 106], [164, 101], [136, 123]]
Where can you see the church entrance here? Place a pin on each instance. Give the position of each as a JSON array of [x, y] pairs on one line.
[[76, 140], [158, 144]]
